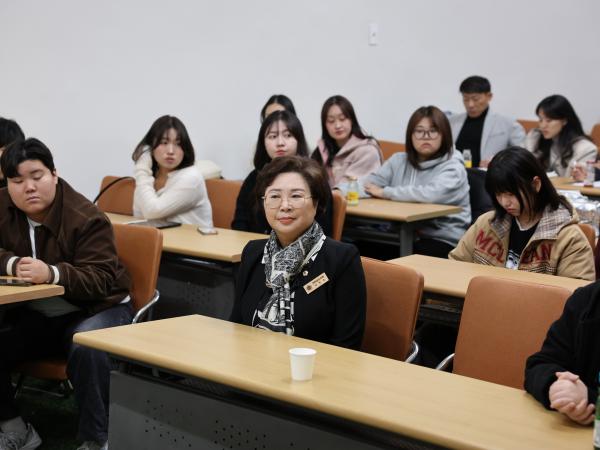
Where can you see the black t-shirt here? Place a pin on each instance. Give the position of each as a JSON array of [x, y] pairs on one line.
[[517, 241], [469, 136]]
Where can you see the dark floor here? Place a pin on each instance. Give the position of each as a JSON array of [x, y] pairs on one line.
[[54, 418]]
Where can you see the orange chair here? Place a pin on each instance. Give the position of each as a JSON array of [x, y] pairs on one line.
[[502, 323], [388, 148], [339, 215], [393, 298], [223, 195], [595, 135], [118, 197], [589, 232], [139, 249], [528, 124]]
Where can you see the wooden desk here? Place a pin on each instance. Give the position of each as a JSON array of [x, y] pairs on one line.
[[10, 295], [196, 271], [15, 294], [448, 280], [403, 215], [567, 184], [383, 401], [226, 245]]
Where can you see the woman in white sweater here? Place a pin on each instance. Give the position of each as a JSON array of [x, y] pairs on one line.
[[167, 184], [559, 142]]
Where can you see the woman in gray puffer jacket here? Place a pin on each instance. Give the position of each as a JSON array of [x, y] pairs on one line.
[[430, 171]]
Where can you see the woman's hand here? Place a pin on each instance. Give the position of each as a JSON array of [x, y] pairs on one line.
[[569, 395], [143, 166], [578, 172], [373, 190]]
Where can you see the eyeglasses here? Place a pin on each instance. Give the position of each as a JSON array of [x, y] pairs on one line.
[[294, 200], [420, 133]]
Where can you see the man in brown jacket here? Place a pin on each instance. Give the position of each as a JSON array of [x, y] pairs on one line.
[[49, 233]]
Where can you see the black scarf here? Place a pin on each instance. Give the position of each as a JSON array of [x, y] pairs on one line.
[[281, 266]]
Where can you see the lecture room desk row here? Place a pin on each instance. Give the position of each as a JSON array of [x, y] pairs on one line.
[[238, 394], [355, 400], [445, 280], [567, 183]]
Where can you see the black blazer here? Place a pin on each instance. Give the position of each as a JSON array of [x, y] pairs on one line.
[[251, 217], [334, 313], [572, 343]]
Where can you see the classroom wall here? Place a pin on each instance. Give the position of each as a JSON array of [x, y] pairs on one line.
[[88, 78]]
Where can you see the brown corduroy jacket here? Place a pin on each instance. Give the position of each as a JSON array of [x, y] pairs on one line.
[[76, 238]]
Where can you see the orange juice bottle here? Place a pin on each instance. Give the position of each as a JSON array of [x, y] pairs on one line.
[[352, 195]]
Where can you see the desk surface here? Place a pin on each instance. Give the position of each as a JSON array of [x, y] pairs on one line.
[[226, 246], [422, 403], [444, 276], [376, 208], [567, 183], [15, 294]]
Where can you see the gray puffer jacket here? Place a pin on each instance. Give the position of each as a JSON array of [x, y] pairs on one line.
[[442, 180]]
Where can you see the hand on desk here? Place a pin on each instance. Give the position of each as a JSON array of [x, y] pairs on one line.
[[373, 190], [579, 171], [33, 270], [569, 396]]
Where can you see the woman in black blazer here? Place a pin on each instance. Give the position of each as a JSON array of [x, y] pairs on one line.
[[299, 281]]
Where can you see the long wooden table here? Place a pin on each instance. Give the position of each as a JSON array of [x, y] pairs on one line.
[[226, 245], [567, 183], [15, 294], [448, 280], [197, 271], [9, 295], [245, 398], [362, 220]]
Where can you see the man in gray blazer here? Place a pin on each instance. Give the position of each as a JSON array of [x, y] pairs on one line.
[[480, 130]]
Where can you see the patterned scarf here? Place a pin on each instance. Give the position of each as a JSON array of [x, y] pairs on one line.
[[281, 266]]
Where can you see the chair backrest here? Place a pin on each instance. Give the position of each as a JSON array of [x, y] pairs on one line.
[[388, 148], [339, 215], [589, 232], [223, 195], [503, 322], [595, 134], [528, 124], [478, 196], [139, 249], [118, 198], [393, 297]]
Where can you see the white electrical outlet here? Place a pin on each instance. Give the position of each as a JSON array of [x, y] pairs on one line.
[[373, 34]]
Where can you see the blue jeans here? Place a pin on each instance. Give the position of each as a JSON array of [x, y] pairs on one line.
[[31, 335]]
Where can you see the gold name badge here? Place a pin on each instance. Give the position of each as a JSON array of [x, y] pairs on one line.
[[316, 283]]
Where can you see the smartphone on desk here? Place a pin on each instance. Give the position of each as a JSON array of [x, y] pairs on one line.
[[205, 231], [14, 282], [161, 224]]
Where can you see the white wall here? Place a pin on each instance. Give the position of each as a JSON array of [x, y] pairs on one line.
[[88, 78]]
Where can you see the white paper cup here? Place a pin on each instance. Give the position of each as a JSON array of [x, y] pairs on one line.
[[302, 362]]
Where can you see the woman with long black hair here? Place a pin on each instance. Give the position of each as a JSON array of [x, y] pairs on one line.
[[344, 148], [531, 228], [559, 142]]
